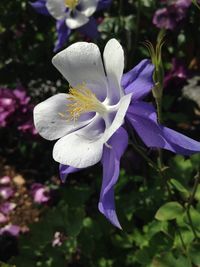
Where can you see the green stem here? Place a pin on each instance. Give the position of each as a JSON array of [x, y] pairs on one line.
[[181, 238], [191, 223], [190, 201], [159, 107], [196, 4], [196, 183]]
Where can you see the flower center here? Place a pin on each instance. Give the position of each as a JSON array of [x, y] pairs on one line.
[[82, 100], [71, 4]]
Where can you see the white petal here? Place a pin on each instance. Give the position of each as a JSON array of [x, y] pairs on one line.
[[78, 151], [119, 117], [114, 65], [56, 8], [76, 20], [81, 63], [88, 7], [48, 121], [84, 147]]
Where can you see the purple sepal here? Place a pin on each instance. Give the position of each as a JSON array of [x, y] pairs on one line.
[[65, 170], [112, 153], [90, 29], [143, 118], [63, 33], [103, 4], [40, 7], [139, 80]]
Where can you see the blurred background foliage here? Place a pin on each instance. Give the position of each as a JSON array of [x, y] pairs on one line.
[[156, 213]]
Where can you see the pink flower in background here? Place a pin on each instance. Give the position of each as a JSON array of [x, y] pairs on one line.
[[3, 218], [40, 193], [6, 192], [7, 207], [16, 110], [7, 106], [5, 180], [57, 240], [27, 127], [11, 229]]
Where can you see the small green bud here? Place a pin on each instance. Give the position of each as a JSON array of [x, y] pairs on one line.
[[156, 58]]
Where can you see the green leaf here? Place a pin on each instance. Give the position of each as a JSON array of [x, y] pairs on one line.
[[129, 22], [197, 195], [5, 265], [179, 186], [195, 217], [168, 260], [194, 254], [169, 211], [186, 235]]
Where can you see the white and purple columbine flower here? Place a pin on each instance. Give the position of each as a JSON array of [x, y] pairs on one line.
[[89, 121], [70, 15]]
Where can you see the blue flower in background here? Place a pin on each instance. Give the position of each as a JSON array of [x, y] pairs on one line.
[[70, 15], [90, 122]]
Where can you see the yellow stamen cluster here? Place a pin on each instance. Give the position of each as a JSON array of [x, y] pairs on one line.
[[82, 100], [71, 4]]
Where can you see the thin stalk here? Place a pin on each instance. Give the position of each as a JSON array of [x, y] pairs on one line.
[[145, 157], [196, 4], [190, 201], [159, 108], [181, 239], [191, 223], [196, 183]]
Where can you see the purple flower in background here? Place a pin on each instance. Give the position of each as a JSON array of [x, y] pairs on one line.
[[177, 76], [90, 121], [6, 192], [27, 126], [7, 207], [5, 180], [7, 106], [16, 110], [57, 239], [11, 229], [40, 193], [70, 15], [3, 218], [169, 17]]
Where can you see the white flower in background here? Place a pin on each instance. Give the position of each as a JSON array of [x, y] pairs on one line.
[[75, 12], [94, 109]]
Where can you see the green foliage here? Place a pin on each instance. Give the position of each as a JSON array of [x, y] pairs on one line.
[[5, 265], [166, 241], [169, 211]]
